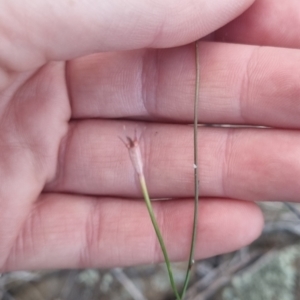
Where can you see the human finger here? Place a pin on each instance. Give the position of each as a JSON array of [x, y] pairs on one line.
[[67, 231], [35, 32], [238, 85], [267, 23], [239, 163]]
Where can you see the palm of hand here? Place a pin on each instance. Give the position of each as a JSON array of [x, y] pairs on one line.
[[34, 118]]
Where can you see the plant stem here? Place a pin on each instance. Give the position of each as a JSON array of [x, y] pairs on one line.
[[158, 234], [196, 174], [136, 158]]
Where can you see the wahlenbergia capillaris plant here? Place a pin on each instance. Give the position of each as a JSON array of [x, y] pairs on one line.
[[196, 173], [136, 159]]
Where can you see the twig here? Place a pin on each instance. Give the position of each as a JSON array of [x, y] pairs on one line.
[[223, 270], [68, 285], [255, 261], [128, 284]]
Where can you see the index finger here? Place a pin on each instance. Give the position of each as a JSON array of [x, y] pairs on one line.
[[32, 33]]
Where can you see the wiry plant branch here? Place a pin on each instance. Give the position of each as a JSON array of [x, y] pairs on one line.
[[196, 173]]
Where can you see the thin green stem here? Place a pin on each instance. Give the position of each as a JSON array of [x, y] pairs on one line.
[[158, 234], [196, 174]]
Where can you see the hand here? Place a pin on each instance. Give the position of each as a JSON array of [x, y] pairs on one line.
[[68, 189]]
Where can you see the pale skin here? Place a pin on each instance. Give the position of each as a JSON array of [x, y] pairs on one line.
[[68, 194]]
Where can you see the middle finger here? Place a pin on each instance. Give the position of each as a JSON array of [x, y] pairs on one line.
[[241, 163], [239, 84]]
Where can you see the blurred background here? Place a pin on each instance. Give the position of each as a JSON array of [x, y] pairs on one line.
[[269, 269]]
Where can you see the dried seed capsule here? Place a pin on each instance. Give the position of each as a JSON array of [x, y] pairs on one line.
[[135, 155]]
